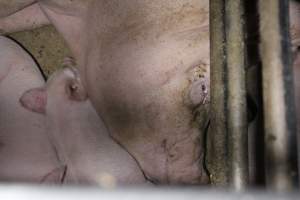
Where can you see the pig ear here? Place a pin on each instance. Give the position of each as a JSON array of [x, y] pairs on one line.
[[35, 100]]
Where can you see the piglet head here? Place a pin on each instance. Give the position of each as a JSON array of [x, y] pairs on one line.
[[64, 85]]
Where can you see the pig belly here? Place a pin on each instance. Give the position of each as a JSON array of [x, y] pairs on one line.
[[25, 151], [139, 68]]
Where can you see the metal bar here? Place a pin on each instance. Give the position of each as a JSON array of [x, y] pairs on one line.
[[278, 97], [228, 133], [236, 99], [217, 136], [19, 192], [254, 96]]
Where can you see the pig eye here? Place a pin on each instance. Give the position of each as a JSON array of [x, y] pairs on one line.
[[73, 88], [76, 92]]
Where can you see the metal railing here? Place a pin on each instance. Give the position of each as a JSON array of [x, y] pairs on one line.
[[228, 92], [228, 132]]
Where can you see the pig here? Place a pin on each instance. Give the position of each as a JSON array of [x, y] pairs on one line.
[[145, 67], [11, 6], [26, 154], [82, 141]]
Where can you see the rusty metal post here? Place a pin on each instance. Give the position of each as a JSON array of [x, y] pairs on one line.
[[278, 97], [228, 133], [236, 99], [217, 136]]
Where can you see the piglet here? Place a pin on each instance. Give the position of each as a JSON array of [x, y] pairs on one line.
[[26, 154], [81, 138]]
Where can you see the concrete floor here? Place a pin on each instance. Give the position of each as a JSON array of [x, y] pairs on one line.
[[45, 45]]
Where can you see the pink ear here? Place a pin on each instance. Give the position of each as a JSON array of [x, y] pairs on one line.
[[35, 100]]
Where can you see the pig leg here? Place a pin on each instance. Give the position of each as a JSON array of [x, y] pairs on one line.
[[8, 7], [28, 18], [25, 151], [68, 17]]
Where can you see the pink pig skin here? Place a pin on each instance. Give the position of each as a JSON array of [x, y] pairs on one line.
[[145, 66], [83, 142], [26, 154]]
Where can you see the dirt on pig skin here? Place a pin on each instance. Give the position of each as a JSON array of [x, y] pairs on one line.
[[138, 72], [139, 62]]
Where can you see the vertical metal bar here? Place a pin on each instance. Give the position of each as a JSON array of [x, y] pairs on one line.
[[236, 99], [228, 131], [278, 98], [217, 151], [254, 96]]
